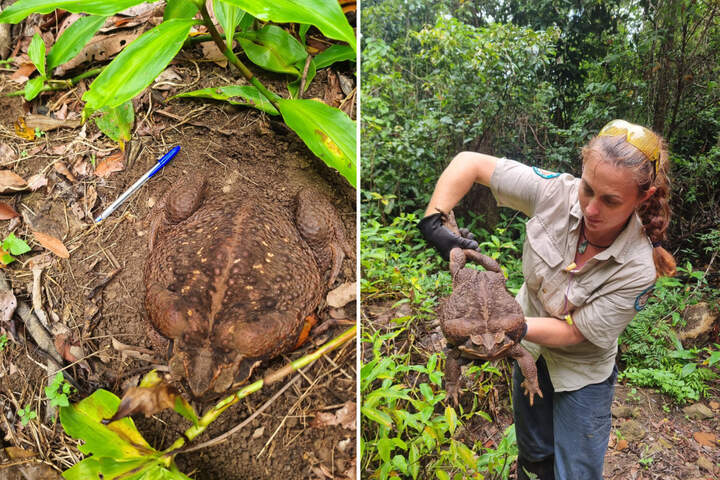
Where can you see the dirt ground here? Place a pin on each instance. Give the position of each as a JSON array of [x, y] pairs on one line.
[[97, 293], [651, 437]]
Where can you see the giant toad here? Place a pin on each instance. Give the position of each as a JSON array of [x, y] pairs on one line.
[[231, 280], [481, 319]]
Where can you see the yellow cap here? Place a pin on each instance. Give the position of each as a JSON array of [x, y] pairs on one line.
[[636, 135]]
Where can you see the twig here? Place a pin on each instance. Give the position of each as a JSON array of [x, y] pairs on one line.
[[245, 422], [304, 76]]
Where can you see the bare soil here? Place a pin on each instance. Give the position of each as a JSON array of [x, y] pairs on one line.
[[97, 293]]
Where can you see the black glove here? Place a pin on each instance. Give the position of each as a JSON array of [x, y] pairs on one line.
[[442, 238]]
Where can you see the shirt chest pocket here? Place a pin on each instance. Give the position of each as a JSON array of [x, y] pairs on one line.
[[543, 269]]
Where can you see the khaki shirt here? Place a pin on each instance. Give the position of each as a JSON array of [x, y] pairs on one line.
[[602, 296]]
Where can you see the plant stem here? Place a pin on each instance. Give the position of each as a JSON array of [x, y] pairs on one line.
[[212, 414], [61, 84], [272, 97]]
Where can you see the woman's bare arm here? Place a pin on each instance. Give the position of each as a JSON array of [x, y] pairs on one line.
[[552, 332]]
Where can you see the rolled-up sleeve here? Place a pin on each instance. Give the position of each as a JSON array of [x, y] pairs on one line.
[[602, 320], [517, 186]]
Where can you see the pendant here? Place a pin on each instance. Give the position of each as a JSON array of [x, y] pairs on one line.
[[582, 247]]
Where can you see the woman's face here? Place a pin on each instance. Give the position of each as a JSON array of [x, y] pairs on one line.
[[608, 195]]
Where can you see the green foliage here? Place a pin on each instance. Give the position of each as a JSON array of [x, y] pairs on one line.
[[26, 414], [12, 246], [332, 136], [247, 94], [58, 390], [653, 355], [3, 342], [409, 432]]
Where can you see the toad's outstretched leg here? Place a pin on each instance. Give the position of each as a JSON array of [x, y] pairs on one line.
[[529, 371]]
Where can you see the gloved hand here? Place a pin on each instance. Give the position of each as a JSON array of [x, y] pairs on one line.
[[442, 238]]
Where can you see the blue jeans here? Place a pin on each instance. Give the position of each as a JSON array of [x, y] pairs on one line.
[[572, 426]]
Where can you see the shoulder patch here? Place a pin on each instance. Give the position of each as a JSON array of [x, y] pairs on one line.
[[642, 299], [544, 173]]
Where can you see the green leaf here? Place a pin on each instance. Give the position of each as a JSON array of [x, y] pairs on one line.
[[118, 440], [327, 131], [687, 369], [36, 52], [179, 9], [249, 96], [73, 39], [185, 409], [272, 48], [7, 259], [229, 17], [15, 245], [442, 474], [377, 416], [451, 418], [117, 122], [137, 65], [400, 463], [332, 54], [21, 9], [413, 461], [326, 15]]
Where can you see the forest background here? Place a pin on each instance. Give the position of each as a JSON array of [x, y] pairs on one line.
[[532, 81]]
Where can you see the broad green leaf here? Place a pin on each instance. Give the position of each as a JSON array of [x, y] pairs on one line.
[[137, 65], [302, 31], [332, 54], [400, 463], [414, 461], [6, 258], [249, 96], [326, 15], [377, 416], [687, 369], [272, 48], [442, 474], [33, 88], [294, 86], [467, 455], [36, 52], [118, 440], [179, 9], [184, 408], [117, 122], [15, 245], [229, 17], [72, 40], [327, 131], [21, 9], [451, 418]]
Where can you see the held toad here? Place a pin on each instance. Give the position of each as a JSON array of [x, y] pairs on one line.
[[231, 280], [481, 320]]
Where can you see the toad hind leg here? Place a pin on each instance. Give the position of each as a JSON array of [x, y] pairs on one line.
[[320, 226], [529, 371], [181, 201]]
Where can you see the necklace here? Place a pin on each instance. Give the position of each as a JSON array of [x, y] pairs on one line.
[[582, 246]]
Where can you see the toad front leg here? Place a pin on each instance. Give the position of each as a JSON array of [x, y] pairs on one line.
[[529, 371]]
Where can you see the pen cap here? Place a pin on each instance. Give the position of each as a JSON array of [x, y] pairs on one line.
[[164, 160]]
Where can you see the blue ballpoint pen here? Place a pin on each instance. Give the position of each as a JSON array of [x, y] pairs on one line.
[[164, 160]]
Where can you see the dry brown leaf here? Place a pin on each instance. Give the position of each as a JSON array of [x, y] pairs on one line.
[[59, 149], [706, 439], [344, 417], [100, 47], [23, 73], [7, 211], [89, 200], [37, 181], [80, 167], [52, 244], [113, 163], [63, 170], [212, 52], [8, 304], [622, 444], [46, 124], [714, 405], [342, 295], [147, 400], [11, 181], [22, 130], [64, 347], [7, 154]]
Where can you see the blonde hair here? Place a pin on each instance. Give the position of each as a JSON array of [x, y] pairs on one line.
[[655, 211]]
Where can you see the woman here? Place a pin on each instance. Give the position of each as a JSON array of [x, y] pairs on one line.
[[592, 253]]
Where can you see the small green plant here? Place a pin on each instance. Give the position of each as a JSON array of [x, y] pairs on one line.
[[39, 133], [26, 414], [327, 131], [3, 342], [58, 390], [12, 246]]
